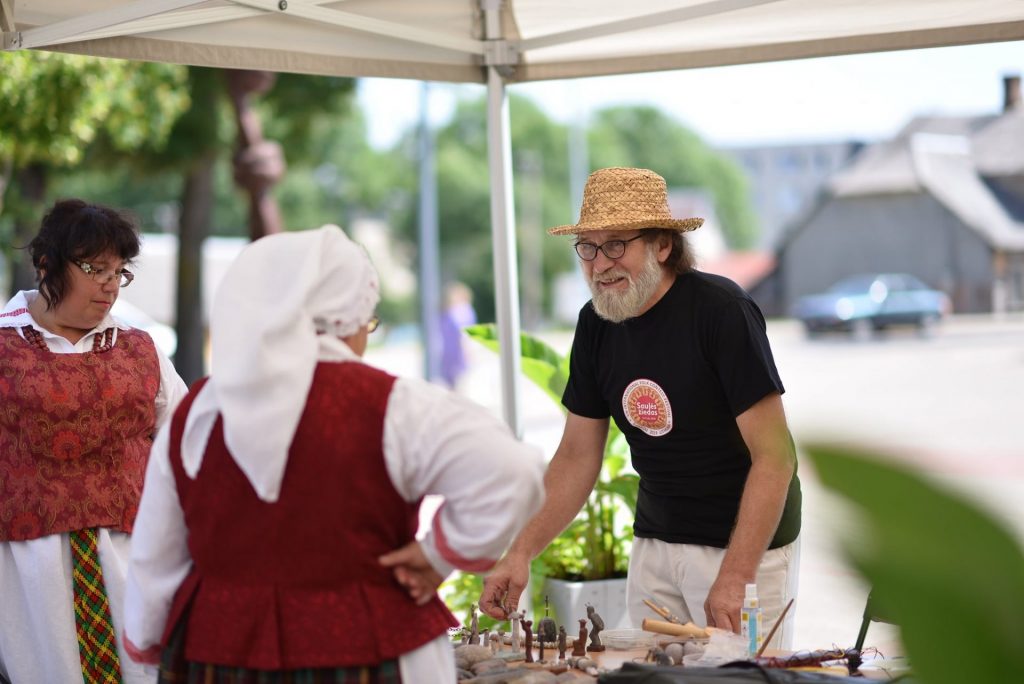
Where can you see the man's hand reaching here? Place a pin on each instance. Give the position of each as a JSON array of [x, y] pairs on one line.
[[503, 586]]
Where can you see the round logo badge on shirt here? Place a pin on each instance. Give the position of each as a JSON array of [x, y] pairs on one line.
[[646, 407]]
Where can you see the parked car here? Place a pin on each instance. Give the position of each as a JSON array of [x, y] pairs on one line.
[[867, 302]]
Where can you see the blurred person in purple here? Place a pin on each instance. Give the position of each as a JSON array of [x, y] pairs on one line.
[[458, 314]]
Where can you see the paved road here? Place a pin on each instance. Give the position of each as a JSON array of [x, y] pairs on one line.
[[952, 404]]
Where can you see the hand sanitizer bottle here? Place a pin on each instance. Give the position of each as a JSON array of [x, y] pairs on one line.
[[750, 621]]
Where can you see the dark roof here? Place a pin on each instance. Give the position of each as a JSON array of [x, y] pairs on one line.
[[954, 159], [998, 147], [887, 167]]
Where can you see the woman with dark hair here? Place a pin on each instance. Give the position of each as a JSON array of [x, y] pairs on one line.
[[81, 396]]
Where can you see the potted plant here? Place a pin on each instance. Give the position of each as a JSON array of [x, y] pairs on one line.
[[587, 562]]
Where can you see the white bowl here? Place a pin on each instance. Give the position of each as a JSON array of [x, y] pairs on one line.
[[624, 639]]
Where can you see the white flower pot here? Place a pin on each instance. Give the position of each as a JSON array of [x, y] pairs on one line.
[[568, 602]]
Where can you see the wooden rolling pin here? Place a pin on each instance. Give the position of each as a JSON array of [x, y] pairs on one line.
[[687, 630]]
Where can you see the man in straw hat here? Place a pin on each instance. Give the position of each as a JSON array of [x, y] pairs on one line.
[[275, 539], [680, 360]]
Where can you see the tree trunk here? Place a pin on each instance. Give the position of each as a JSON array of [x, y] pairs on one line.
[[31, 184], [196, 210], [5, 179]]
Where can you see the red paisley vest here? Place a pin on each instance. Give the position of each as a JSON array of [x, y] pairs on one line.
[[75, 434], [296, 583]]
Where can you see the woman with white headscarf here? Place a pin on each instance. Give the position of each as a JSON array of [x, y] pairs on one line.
[[276, 529]]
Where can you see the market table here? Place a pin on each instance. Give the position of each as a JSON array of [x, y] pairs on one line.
[[612, 659]]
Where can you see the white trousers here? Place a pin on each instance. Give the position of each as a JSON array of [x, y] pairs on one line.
[[679, 577]]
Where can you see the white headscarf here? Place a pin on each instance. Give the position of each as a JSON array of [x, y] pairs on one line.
[[275, 297]]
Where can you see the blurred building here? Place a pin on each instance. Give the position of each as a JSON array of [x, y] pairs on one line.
[[943, 200], [156, 268], [744, 267], [786, 179], [156, 273]]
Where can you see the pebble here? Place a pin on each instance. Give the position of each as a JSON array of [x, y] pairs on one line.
[[485, 666], [534, 677], [468, 655]]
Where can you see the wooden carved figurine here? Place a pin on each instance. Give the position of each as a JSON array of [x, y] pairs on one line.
[[546, 630], [517, 634], [597, 624], [528, 630], [561, 642], [474, 626], [579, 646]]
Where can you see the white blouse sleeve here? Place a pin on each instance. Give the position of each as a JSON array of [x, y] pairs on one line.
[[159, 557], [437, 442], [172, 390]]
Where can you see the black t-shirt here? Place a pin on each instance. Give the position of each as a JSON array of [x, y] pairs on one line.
[[674, 380]]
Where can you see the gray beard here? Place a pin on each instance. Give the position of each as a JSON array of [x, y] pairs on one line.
[[618, 306]]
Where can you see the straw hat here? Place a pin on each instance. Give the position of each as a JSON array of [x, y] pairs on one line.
[[625, 199]]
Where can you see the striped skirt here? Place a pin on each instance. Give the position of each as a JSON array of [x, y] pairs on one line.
[[174, 669]]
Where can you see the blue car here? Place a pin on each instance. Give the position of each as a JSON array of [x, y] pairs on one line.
[[864, 303]]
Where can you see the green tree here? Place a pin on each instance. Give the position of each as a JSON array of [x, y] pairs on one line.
[[55, 106], [618, 136], [540, 166], [346, 177], [193, 172], [293, 107], [324, 140], [647, 137]]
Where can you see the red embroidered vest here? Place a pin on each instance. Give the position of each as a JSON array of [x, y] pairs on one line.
[[75, 434], [296, 583]]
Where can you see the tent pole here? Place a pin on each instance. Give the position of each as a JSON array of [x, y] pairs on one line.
[[429, 241], [503, 236], [506, 279]]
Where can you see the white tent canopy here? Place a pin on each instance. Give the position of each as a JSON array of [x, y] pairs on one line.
[[444, 40], [496, 42]]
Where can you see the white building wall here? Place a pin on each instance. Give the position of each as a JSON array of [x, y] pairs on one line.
[[156, 270]]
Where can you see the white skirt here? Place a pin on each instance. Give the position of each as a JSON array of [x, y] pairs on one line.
[[38, 642]]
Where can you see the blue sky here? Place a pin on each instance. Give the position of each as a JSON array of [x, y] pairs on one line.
[[856, 96]]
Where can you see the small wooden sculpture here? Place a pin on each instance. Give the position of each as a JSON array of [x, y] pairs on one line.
[[597, 624], [579, 646], [561, 642], [474, 626], [547, 630], [516, 617], [528, 628]]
